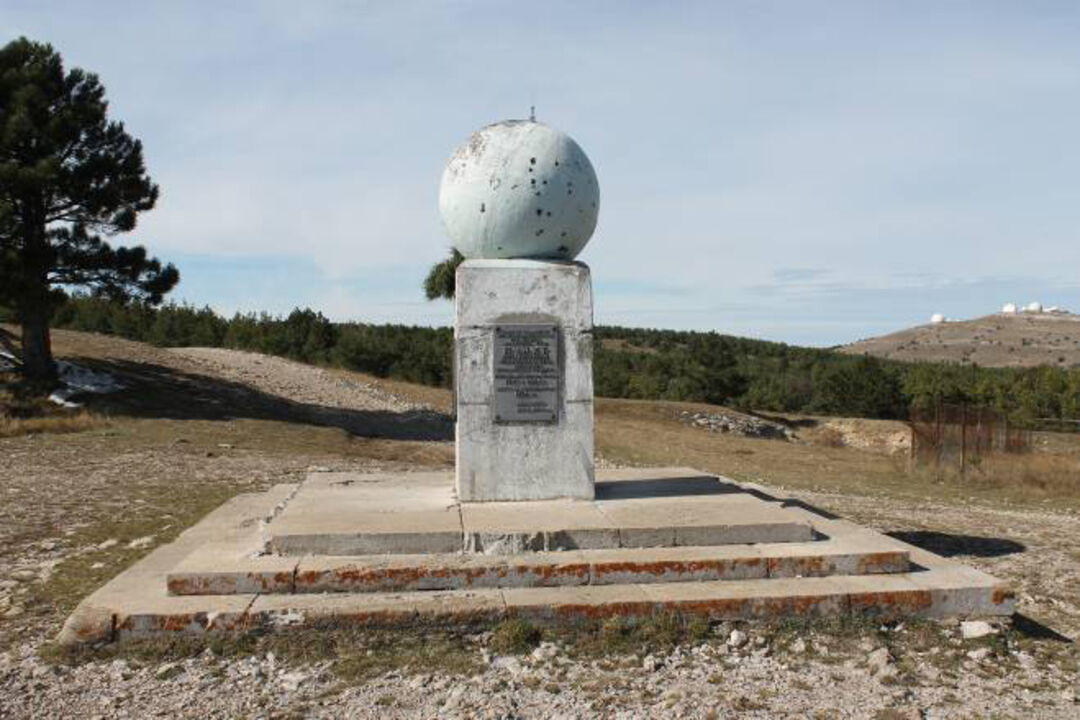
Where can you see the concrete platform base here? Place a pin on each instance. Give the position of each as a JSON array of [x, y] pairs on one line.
[[366, 514], [220, 574]]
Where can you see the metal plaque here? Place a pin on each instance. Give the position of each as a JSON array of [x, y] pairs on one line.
[[526, 367]]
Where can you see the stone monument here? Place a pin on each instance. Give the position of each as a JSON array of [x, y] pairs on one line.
[[519, 200]]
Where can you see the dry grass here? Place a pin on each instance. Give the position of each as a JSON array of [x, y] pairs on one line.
[[77, 421], [992, 341], [357, 653], [1053, 474], [646, 433], [515, 636], [175, 509], [829, 437], [23, 412], [440, 399]]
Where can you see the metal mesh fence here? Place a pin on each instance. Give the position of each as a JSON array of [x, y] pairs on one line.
[[959, 435]]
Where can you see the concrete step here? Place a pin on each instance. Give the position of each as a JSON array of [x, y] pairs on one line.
[[218, 569], [136, 602], [415, 513], [950, 591]]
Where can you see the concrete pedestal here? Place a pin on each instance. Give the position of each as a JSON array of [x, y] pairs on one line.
[[374, 549], [503, 456]]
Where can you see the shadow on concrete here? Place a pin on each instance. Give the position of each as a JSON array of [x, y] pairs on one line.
[[691, 486], [664, 487], [157, 391], [791, 502], [788, 502], [1032, 628], [949, 545]]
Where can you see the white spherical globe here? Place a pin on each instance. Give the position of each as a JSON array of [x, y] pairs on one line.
[[519, 189]]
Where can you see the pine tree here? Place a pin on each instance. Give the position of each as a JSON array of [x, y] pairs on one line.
[[440, 280], [69, 179]]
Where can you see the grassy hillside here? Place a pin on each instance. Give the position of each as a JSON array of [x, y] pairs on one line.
[[1023, 340]]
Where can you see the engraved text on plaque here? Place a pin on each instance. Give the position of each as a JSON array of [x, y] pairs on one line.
[[526, 367]]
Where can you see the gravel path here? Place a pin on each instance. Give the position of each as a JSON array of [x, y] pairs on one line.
[[1038, 552], [737, 674]]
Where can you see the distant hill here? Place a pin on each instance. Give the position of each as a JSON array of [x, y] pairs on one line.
[[999, 340]]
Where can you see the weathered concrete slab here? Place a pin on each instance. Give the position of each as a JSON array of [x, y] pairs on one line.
[[502, 528], [403, 573], [841, 554], [659, 565], [958, 590], [892, 596], [929, 593], [136, 602], [658, 508], [220, 569], [847, 569], [578, 603], [752, 599], [380, 609], [356, 514], [363, 514]]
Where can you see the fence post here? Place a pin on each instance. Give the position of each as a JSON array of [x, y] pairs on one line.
[[939, 437], [963, 440], [911, 426]]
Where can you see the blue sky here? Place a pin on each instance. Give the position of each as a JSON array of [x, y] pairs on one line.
[[812, 172]]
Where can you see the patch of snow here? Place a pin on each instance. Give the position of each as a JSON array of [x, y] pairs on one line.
[[87, 380], [60, 397], [78, 379]]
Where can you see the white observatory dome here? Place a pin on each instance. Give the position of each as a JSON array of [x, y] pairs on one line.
[[1009, 309], [519, 189], [1034, 307], [937, 318]]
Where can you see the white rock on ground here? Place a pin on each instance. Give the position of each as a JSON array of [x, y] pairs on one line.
[[975, 629], [878, 660]]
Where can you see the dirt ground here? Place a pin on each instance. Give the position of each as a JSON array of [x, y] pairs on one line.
[[194, 427]]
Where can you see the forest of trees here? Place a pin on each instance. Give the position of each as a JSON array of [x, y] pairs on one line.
[[628, 362]]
